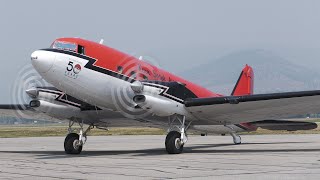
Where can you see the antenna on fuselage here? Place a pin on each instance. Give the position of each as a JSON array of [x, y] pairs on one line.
[[101, 41]]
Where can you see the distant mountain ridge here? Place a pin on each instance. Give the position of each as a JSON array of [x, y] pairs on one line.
[[272, 73]]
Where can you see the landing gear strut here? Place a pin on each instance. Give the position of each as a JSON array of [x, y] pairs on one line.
[[74, 142], [236, 138], [177, 137]]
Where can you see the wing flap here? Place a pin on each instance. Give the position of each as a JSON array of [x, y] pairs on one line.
[[238, 109]]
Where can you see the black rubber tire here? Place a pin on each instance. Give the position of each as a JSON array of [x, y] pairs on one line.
[[68, 144], [170, 143]]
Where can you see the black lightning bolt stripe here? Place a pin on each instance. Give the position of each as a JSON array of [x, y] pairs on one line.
[[165, 86], [90, 64], [67, 99]]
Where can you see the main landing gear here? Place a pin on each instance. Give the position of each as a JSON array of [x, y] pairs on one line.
[[177, 137], [74, 142]]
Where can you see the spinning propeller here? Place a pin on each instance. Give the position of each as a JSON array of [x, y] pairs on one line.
[[24, 89]]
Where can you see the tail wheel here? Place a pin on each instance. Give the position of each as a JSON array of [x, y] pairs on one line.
[[72, 144], [173, 143]]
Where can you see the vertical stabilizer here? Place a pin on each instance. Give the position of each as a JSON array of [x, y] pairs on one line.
[[244, 84]]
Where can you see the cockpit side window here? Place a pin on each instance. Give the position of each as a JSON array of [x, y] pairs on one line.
[[68, 46], [81, 49], [65, 46]]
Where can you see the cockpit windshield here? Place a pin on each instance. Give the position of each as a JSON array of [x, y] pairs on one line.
[[65, 46]]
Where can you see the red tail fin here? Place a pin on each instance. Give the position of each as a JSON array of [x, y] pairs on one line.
[[244, 84]]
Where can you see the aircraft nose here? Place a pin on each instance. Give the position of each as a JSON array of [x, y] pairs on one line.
[[42, 61]]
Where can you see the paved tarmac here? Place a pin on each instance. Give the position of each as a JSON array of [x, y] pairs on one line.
[[144, 157]]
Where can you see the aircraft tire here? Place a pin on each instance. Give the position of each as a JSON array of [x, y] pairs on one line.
[[172, 143], [69, 144]]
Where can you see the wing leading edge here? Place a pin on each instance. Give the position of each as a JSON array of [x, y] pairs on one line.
[[250, 108]]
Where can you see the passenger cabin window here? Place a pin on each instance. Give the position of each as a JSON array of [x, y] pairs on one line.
[[133, 74], [144, 77], [120, 69]]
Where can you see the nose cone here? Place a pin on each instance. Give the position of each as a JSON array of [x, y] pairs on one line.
[[32, 92], [42, 61]]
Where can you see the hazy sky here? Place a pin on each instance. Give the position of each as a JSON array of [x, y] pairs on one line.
[[178, 34]]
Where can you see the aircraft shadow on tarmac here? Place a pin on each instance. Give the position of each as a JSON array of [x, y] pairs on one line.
[[203, 148]]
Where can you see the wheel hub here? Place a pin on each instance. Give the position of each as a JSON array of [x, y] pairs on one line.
[[178, 143], [76, 144]]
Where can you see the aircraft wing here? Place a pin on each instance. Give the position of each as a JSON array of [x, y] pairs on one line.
[[251, 108], [102, 118], [23, 111]]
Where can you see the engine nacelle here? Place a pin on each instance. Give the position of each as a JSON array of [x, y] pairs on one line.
[[159, 106], [55, 110]]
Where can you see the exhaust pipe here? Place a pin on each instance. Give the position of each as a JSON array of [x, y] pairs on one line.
[[139, 99], [34, 104]]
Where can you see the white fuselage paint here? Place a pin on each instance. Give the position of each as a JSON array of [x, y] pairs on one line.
[[89, 86], [94, 87]]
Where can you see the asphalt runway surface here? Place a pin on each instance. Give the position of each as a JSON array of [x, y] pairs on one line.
[[144, 157]]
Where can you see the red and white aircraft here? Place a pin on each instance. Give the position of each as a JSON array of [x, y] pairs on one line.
[[96, 85]]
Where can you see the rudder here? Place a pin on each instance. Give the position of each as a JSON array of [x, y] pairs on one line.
[[244, 85]]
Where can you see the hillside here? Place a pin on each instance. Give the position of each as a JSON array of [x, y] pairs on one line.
[[272, 73]]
